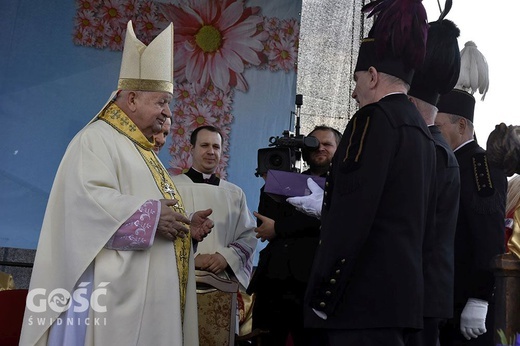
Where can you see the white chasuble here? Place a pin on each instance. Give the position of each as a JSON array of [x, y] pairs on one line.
[[102, 181]]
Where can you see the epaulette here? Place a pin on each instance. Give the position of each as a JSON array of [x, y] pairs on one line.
[[482, 175]]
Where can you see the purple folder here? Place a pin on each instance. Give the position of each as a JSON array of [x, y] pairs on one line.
[[282, 184]]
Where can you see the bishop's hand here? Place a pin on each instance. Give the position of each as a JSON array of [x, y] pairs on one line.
[[171, 224]]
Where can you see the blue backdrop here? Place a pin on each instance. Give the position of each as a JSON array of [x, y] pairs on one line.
[[50, 88]]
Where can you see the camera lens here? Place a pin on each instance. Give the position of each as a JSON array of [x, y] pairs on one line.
[[275, 160]]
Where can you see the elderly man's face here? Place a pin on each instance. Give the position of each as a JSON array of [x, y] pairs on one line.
[[160, 138], [361, 92], [151, 111], [449, 130]]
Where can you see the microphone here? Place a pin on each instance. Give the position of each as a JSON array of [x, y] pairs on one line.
[[299, 100]]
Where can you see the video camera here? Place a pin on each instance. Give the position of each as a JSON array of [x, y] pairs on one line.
[[286, 150]]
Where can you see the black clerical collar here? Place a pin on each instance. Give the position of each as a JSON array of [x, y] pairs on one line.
[[198, 177]]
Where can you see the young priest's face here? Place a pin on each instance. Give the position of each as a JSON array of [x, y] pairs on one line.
[[206, 151]]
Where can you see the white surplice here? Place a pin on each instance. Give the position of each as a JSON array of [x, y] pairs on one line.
[[233, 235], [101, 182]]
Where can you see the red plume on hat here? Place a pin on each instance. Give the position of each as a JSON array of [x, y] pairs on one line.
[[400, 26]]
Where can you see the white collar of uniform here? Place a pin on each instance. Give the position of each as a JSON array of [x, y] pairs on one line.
[[394, 93], [463, 144]]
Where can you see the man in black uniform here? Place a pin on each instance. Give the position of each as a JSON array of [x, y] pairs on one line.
[[284, 266], [438, 75], [366, 284], [480, 225]]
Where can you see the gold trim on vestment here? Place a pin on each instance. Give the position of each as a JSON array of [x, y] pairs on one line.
[[514, 242], [116, 118], [144, 85]]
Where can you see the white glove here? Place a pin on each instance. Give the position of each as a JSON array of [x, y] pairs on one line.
[[311, 204], [473, 318]]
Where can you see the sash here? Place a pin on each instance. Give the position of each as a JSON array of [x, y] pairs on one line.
[[116, 118]]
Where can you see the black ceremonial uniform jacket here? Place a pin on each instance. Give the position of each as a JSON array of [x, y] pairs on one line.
[[440, 234], [367, 270], [480, 224]]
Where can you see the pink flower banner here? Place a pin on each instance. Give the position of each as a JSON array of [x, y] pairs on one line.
[[216, 42]]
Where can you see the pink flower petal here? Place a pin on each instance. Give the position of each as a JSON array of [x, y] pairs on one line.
[[230, 15], [233, 60]]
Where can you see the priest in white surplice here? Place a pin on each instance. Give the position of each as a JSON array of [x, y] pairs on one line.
[[114, 264], [228, 250]]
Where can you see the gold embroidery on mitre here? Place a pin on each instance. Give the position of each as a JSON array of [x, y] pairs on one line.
[[144, 85]]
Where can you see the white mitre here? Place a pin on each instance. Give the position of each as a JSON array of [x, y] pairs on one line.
[[147, 68]]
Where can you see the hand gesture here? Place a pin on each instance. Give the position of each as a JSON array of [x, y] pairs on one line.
[[311, 204], [215, 263], [200, 225], [266, 229], [171, 223]]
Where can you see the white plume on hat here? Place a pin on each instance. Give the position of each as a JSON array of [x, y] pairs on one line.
[[147, 68], [474, 72]]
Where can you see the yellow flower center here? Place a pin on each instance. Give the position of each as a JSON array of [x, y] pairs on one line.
[[220, 103], [112, 12], [200, 120], [208, 39], [284, 54]]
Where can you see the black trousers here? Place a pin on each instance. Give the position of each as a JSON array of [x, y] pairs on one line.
[[429, 335], [367, 337], [278, 308]]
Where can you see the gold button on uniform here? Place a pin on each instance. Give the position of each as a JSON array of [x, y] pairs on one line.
[[333, 281], [322, 304], [328, 293]]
